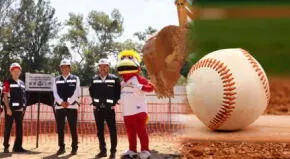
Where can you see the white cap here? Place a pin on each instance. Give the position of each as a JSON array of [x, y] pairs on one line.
[[15, 65], [65, 62], [103, 61]]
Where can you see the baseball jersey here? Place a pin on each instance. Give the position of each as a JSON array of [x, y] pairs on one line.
[[133, 99]]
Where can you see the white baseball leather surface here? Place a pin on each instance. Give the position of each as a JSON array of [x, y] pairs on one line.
[[227, 89]]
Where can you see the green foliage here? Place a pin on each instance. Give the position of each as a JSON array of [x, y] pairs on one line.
[[143, 35], [28, 35], [105, 28], [76, 34], [130, 45], [60, 51], [26, 29]]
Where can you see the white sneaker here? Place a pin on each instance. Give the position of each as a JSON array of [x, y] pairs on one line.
[[144, 155], [129, 153]]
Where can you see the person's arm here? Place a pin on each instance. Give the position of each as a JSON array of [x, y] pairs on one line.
[[91, 88], [55, 94], [25, 99], [76, 94], [6, 90], [144, 84], [6, 103], [1, 107], [91, 91], [117, 90]]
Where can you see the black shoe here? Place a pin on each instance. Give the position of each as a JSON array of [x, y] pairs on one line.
[[6, 150], [74, 151], [112, 155], [101, 154], [60, 151], [19, 150]]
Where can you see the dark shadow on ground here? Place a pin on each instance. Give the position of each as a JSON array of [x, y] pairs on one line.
[[53, 156], [5, 155], [157, 155]]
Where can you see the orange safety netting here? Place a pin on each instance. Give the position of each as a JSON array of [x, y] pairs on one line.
[[165, 117]]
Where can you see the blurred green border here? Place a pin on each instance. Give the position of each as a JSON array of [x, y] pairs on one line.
[[268, 40], [241, 3]]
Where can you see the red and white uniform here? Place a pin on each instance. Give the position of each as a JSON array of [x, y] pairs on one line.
[[133, 98], [134, 108]]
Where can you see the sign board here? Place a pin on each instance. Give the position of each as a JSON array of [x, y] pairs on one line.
[[38, 82]]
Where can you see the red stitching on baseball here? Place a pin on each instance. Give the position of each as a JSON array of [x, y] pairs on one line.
[[260, 73], [224, 73], [229, 80], [229, 84], [229, 90], [229, 93]]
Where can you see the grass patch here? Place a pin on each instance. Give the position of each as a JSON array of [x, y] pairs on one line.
[[268, 40], [241, 3]]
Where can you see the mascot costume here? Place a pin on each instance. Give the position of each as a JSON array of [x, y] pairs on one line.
[[133, 102]]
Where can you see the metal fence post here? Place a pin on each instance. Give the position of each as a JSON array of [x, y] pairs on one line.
[[38, 115], [169, 104], [82, 103]]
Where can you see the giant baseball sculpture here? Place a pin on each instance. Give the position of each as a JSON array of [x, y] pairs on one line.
[[228, 89]]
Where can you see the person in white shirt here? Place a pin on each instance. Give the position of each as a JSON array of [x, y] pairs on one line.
[[66, 91]]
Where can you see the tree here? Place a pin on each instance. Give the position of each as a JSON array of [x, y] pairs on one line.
[[77, 34], [28, 26], [25, 33], [142, 36], [5, 9], [35, 25], [60, 51], [105, 28], [129, 44], [5, 34]]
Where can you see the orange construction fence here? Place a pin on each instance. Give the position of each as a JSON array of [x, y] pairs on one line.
[[165, 117]]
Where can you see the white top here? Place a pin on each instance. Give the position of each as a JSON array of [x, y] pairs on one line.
[[70, 100], [103, 78], [132, 98]]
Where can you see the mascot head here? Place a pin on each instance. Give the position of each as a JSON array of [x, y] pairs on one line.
[[128, 63]]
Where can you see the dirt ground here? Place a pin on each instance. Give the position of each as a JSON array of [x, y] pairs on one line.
[[280, 96], [267, 138], [161, 147], [235, 150]]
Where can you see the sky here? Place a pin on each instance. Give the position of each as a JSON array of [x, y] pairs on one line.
[[137, 14]]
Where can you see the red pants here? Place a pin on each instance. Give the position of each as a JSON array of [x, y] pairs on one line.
[[136, 125]]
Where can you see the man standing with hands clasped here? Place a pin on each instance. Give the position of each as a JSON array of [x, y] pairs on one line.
[[66, 91], [105, 92]]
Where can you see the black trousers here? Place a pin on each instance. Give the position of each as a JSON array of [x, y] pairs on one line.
[[72, 117], [18, 117], [101, 116]]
